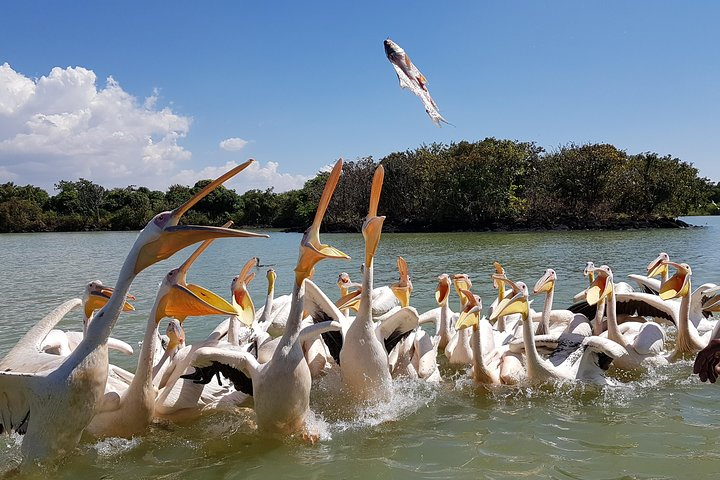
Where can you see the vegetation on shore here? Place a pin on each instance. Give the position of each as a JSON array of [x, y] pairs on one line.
[[486, 185]]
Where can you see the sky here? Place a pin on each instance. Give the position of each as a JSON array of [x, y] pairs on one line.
[[160, 93]]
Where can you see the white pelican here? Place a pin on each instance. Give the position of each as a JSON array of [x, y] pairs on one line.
[[557, 320], [281, 386], [507, 323], [648, 283], [458, 350], [363, 359], [643, 342], [487, 359], [60, 342], [587, 366], [384, 299], [445, 321], [273, 315], [688, 340], [51, 398], [424, 359], [133, 406]]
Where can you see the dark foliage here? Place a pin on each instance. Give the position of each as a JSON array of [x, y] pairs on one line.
[[489, 184]]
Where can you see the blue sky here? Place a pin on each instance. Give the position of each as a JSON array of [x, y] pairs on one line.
[[299, 84]]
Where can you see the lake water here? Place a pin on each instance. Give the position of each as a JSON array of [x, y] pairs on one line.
[[660, 425]]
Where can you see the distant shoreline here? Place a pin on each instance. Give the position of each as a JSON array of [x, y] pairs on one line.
[[521, 226]]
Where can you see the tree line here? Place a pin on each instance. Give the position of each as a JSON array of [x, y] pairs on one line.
[[489, 184]]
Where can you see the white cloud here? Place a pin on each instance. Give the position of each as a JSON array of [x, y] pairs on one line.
[[233, 144], [63, 127], [254, 176]]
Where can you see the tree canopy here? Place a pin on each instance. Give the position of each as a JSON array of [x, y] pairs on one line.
[[488, 184]]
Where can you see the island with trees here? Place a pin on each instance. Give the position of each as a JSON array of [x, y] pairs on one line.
[[490, 184]]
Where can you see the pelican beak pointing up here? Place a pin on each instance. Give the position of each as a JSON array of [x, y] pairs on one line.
[[171, 237], [311, 250], [601, 286], [470, 316], [442, 292], [403, 288], [241, 297], [659, 266], [372, 228], [679, 284]]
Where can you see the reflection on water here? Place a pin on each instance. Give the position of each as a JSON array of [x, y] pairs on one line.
[[663, 424]]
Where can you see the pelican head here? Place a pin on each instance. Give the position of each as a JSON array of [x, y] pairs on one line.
[[311, 250], [179, 299], [271, 277], [242, 302], [518, 303], [345, 284], [442, 292], [175, 334], [589, 271], [403, 287], [659, 266], [372, 227], [679, 284], [162, 236], [461, 282], [470, 315], [546, 282], [602, 285], [97, 295]]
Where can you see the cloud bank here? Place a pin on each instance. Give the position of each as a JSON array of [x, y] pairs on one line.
[[62, 126]]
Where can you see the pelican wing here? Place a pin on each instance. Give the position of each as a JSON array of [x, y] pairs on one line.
[[236, 363], [583, 307], [322, 310], [32, 340], [119, 346], [16, 392], [649, 285], [646, 305], [650, 340], [431, 316], [605, 346], [397, 326]]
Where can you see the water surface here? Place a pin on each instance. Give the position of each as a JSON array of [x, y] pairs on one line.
[[660, 425]]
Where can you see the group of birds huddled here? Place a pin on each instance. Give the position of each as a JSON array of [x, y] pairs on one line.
[[55, 385]]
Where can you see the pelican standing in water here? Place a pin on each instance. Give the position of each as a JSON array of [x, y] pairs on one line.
[[458, 350], [643, 342], [363, 359], [281, 386], [52, 399], [134, 406]]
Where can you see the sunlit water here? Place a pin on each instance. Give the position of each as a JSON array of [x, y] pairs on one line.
[[660, 425]]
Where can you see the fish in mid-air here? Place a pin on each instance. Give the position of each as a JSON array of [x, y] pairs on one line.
[[411, 78]]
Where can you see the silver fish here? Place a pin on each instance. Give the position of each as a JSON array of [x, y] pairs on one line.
[[411, 78]]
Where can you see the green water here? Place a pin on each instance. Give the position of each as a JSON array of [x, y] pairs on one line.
[[660, 425]]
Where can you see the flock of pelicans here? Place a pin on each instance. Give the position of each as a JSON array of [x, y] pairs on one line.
[[54, 385]]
